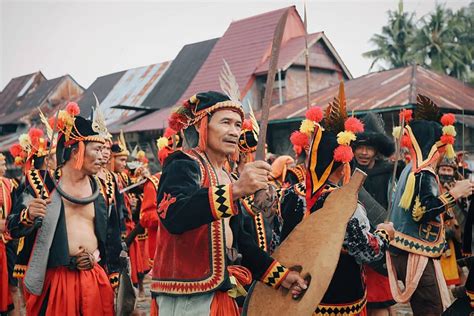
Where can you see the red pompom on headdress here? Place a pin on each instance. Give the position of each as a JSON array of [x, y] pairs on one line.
[[406, 141], [177, 121], [73, 109], [315, 114], [169, 132], [247, 125], [35, 134], [447, 139], [343, 153], [16, 150], [354, 125], [299, 139], [448, 119], [407, 114]]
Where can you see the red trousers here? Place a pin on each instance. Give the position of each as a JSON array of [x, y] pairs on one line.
[[72, 293], [6, 303]]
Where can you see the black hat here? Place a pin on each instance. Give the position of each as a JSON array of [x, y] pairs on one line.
[[374, 135], [198, 106]]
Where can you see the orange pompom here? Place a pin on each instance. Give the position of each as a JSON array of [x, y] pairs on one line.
[[448, 119], [343, 153], [163, 154], [177, 121], [297, 150], [73, 109], [408, 114], [447, 139], [35, 134], [406, 141], [315, 114], [354, 125], [16, 150], [299, 139], [247, 125]]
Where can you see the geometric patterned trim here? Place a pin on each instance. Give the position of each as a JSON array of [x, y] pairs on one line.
[[341, 309], [300, 189], [114, 279], [470, 295], [447, 199], [36, 182], [260, 230], [383, 234], [212, 281], [19, 271], [155, 180], [221, 201], [417, 246], [275, 274], [24, 218], [299, 171], [246, 202]]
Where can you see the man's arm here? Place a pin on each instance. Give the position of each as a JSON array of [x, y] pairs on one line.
[[148, 212]]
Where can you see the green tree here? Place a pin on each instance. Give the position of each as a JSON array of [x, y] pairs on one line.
[[393, 45], [444, 42]]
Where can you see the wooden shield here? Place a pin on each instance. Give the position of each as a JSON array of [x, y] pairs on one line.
[[314, 247]]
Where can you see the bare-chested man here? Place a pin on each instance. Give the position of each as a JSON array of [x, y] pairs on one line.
[[77, 245], [201, 241]]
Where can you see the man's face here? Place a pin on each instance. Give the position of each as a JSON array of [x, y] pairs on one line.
[[106, 153], [223, 132], [445, 171], [365, 155], [3, 167], [120, 162], [92, 158]]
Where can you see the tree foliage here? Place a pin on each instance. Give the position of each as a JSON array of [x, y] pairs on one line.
[[442, 40]]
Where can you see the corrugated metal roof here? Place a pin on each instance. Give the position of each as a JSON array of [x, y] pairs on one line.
[[131, 90], [155, 121], [101, 87], [293, 51], [179, 74], [245, 45], [385, 89], [17, 89]]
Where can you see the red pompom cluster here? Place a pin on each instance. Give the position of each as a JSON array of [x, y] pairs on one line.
[[343, 153], [163, 154], [177, 121], [408, 114], [299, 139], [35, 134], [448, 119], [169, 132], [247, 125], [354, 125], [16, 150], [315, 114], [406, 141], [58, 125], [73, 109], [447, 139]]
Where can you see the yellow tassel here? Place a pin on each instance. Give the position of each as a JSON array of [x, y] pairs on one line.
[[79, 158], [450, 154], [407, 196]]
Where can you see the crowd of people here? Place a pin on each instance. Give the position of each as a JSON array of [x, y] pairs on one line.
[[205, 227]]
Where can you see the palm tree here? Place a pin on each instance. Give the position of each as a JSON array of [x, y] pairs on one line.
[[394, 43], [444, 42]]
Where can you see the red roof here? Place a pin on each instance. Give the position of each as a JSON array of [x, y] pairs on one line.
[[244, 46], [386, 89]]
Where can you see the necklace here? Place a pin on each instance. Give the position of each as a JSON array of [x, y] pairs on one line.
[[81, 201]]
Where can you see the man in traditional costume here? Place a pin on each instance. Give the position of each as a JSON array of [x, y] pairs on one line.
[[8, 246], [76, 247], [328, 165], [200, 237], [118, 164], [418, 211], [371, 150]]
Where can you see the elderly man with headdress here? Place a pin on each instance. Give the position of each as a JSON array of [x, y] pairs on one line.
[[76, 246], [329, 156], [203, 254], [418, 210]]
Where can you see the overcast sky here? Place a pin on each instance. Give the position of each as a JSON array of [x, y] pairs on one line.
[[89, 39]]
